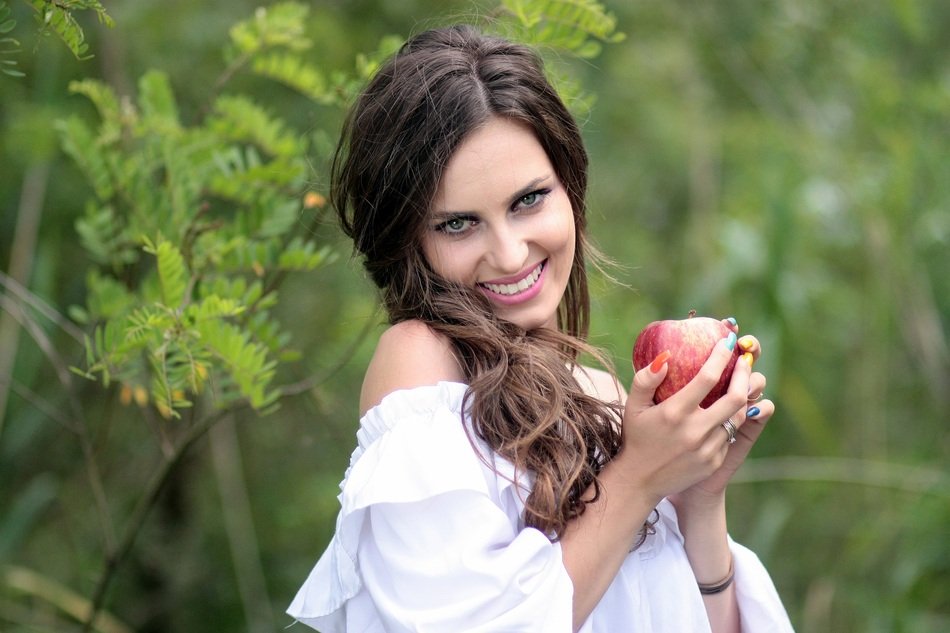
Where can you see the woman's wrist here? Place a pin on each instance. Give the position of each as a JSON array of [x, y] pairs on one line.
[[704, 530]]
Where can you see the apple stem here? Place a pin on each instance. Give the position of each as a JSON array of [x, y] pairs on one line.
[[692, 313]]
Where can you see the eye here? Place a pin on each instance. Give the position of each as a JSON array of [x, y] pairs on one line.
[[532, 199], [456, 225]]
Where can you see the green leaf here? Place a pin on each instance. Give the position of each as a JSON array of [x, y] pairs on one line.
[[58, 18], [107, 104], [172, 274], [159, 109], [102, 233], [249, 371], [80, 143], [238, 118], [281, 24], [106, 297], [565, 24], [292, 71]]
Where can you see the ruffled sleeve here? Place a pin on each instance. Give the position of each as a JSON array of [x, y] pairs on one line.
[[760, 608], [429, 536]]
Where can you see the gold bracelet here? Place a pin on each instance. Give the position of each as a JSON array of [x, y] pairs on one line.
[[718, 587]]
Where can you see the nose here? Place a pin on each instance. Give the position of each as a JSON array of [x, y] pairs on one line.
[[508, 250]]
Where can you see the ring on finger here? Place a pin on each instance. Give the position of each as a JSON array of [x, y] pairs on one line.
[[730, 427]]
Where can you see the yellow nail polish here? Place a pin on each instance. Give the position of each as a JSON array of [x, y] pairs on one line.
[[745, 343], [748, 358]]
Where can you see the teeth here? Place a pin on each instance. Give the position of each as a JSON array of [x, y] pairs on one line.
[[521, 286]]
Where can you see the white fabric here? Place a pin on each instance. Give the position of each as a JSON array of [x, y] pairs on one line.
[[430, 538]]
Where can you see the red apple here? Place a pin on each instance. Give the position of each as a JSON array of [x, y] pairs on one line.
[[690, 342]]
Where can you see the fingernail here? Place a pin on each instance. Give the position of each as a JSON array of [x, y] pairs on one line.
[[733, 321], [752, 412], [731, 341], [748, 357], [746, 343], [659, 361]]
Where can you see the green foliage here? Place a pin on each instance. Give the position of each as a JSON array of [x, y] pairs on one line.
[[57, 17], [8, 45], [194, 226], [559, 28], [53, 17], [574, 26]]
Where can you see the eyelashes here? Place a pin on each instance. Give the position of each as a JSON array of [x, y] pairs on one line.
[[456, 225], [462, 223]]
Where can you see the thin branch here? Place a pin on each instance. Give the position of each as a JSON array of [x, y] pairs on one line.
[[41, 404], [14, 287], [79, 426], [22, 254], [239, 525], [33, 584], [146, 502], [847, 470], [316, 380]]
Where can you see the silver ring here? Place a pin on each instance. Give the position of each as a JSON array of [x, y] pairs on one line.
[[731, 429]]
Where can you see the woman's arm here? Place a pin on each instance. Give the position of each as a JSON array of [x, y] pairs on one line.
[[701, 508], [666, 448]]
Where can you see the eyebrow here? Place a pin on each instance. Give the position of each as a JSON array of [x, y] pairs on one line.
[[521, 193]]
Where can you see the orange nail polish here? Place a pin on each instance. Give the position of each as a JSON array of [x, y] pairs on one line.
[[658, 362], [748, 358]]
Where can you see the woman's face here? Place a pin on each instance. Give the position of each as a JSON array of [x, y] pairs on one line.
[[501, 221]]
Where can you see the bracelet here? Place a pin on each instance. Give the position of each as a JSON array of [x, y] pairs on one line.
[[718, 587]]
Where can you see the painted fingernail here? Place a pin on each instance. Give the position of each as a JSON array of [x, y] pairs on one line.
[[748, 357], [752, 412], [659, 361], [731, 341], [745, 343], [733, 321]]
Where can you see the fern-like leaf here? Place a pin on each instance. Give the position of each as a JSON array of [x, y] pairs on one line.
[[279, 25], [565, 24], [8, 45], [301, 255], [172, 274], [58, 18], [290, 70], [249, 370], [240, 119], [157, 101], [107, 105], [79, 142]]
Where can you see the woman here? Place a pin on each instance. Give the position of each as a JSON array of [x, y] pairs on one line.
[[498, 485]]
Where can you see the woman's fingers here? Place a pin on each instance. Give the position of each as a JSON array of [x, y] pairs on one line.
[[645, 383], [756, 387], [749, 344], [708, 377]]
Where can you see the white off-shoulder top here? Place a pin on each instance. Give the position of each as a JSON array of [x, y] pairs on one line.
[[430, 537]]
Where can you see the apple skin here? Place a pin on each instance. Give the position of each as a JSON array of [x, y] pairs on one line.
[[690, 342]]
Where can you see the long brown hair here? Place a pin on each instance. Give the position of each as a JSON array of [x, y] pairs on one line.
[[522, 395]]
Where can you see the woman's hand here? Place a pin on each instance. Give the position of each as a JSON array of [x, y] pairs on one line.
[[750, 420], [681, 449]]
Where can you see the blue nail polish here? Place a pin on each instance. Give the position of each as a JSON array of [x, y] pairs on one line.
[[731, 341], [752, 412], [732, 320]]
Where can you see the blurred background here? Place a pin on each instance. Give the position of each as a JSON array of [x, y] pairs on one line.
[[785, 163]]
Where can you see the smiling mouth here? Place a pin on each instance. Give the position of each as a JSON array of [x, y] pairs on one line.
[[508, 290]]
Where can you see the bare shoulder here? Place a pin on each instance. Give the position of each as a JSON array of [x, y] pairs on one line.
[[600, 383], [409, 354]]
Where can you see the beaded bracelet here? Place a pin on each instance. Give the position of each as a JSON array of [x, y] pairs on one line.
[[717, 587]]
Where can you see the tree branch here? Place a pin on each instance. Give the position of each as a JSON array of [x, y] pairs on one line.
[[146, 502]]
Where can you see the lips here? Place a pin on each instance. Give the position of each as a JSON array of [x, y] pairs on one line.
[[511, 288]]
